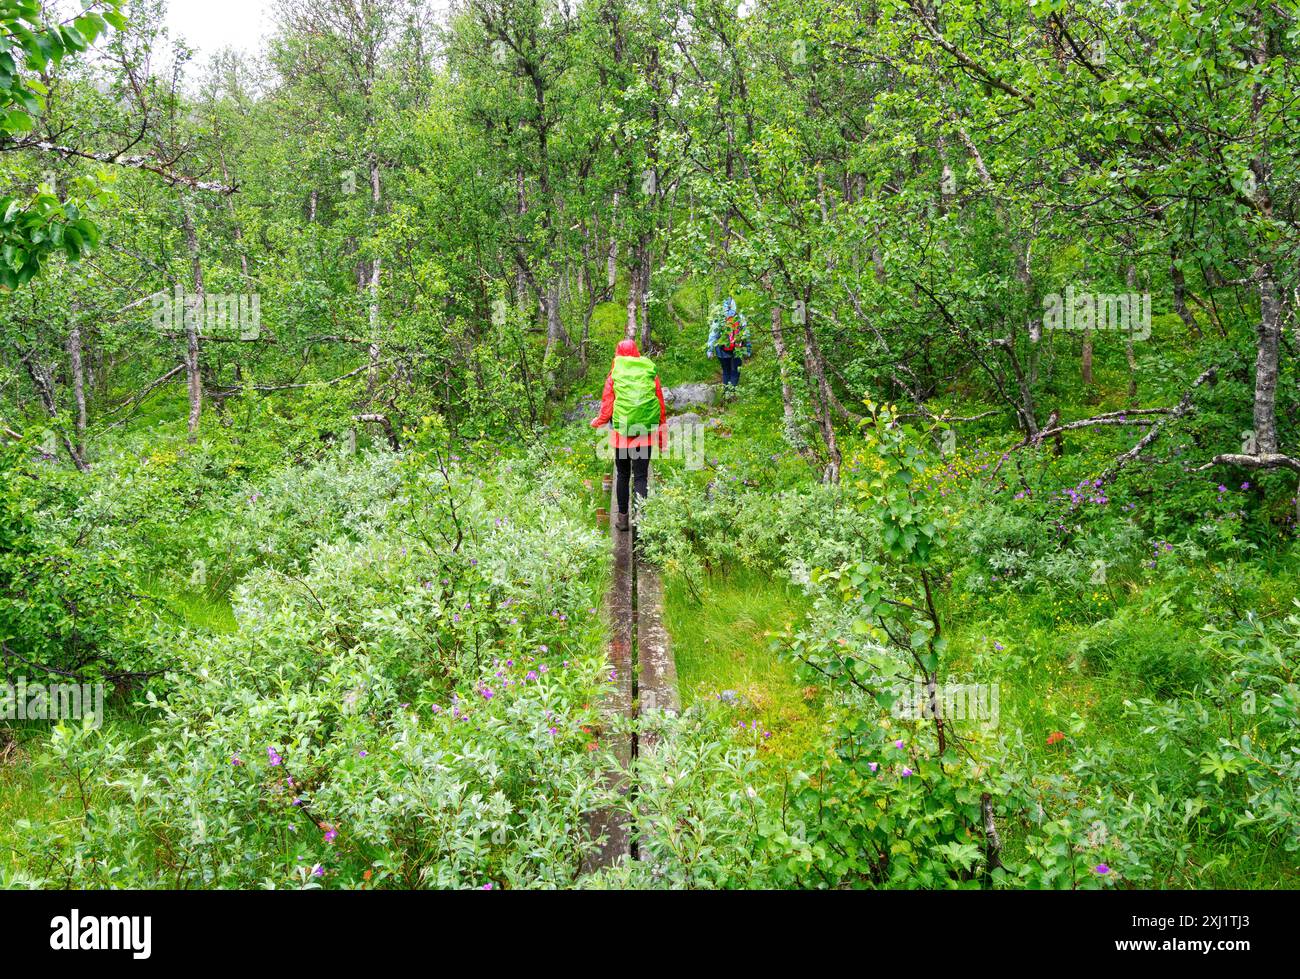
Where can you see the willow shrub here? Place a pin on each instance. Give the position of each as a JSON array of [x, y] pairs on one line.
[[405, 707]]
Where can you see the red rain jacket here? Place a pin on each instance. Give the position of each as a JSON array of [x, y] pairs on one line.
[[628, 348]]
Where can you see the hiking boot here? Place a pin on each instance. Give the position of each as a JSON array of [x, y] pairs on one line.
[[620, 521]]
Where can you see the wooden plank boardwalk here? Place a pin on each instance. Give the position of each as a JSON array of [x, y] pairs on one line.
[[645, 675]]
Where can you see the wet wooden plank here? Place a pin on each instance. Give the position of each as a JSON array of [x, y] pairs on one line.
[[656, 669], [621, 622], [644, 675], [609, 825]]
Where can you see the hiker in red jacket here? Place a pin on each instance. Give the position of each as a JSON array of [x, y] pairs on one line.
[[634, 403]]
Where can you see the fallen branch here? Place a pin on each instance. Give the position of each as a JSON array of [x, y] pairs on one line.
[[338, 339], [1054, 431], [1180, 409], [385, 424], [142, 395], [115, 677], [1093, 422], [267, 388], [1269, 460]]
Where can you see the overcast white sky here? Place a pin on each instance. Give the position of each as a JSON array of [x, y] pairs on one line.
[[210, 25]]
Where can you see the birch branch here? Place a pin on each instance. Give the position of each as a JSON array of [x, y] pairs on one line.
[[1180, 409], [116, 159]]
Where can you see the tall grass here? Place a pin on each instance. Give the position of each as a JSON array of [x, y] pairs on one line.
[[724, 650]]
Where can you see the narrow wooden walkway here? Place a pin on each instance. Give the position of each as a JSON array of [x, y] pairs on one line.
[[645, 677]]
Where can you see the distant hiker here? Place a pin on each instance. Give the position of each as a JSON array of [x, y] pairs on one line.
[[634, 402], [729, 341]]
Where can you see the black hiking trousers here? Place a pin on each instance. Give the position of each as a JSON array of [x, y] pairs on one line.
[[631, 463]]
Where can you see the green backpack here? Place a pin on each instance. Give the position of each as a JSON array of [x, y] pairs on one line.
[[636, 406]]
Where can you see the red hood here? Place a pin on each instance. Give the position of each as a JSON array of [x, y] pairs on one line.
[[627, 348]]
